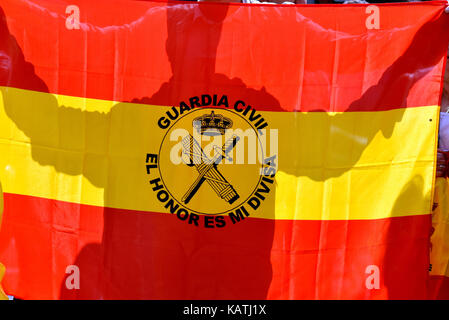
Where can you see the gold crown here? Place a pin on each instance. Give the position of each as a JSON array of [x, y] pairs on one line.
[[213, 122]]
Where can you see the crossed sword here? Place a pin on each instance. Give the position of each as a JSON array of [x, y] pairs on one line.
[[207, 169]]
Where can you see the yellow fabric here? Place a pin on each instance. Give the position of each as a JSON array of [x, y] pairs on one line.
[[351, 165], [439, 254], [3, 296], [2, 267]]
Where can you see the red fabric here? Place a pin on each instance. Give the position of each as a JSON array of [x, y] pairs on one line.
[[149, 52], [439, 287], [154, 256]]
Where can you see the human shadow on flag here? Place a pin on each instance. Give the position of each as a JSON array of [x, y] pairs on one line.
[[129, 254], [138, 254]]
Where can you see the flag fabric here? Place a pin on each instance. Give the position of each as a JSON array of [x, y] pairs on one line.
[[180, 150], [2, 267], [3, 296], [439, 254]]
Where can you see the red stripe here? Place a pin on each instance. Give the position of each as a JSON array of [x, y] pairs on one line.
[[329, 62], [439, 287], [128, 254]]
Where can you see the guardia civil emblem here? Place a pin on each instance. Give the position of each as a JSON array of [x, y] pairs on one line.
[[212, 166]]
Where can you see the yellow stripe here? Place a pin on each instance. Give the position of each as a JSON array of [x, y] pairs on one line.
[[2, 267], [357, 165], [439, 254], [3, 296]]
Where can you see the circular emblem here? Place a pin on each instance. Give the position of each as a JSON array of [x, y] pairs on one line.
[[210, 160], [212, 167]]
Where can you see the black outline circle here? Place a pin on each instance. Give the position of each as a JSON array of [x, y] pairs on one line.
[[181, 204]]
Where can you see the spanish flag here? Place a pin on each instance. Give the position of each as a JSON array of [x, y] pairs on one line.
[[181, 150]]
